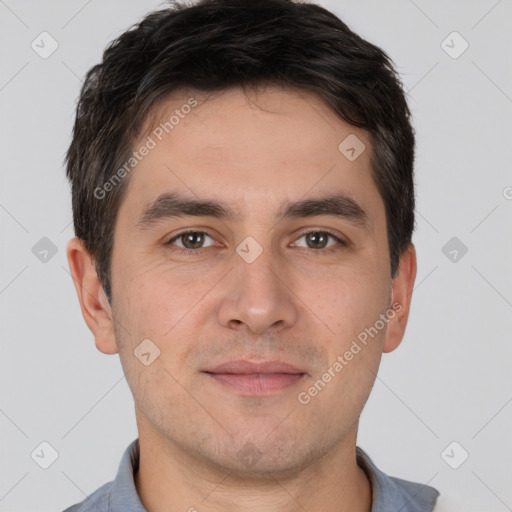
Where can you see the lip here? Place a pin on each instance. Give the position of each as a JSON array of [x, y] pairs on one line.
[[256, 379], [244, 366]]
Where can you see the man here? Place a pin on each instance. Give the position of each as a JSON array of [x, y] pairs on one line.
[[243, 201]]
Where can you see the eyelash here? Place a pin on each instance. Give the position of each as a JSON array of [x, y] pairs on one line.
[[317, 252]]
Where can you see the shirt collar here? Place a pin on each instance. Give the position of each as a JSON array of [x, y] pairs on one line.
[[123, 495], [391, 493], [388, 493]]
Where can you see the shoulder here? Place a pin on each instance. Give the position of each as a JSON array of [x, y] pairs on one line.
[[119, 495], [98, 500], [416, 497]]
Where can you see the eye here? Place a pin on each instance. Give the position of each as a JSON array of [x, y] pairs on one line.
[[317, 240], [191, 240]]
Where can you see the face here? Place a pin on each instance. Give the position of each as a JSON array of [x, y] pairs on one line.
[[266, 275]]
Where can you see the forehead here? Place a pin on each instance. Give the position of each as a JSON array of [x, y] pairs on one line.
[[254, 149]]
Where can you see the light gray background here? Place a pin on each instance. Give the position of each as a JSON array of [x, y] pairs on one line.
[[450, 380]]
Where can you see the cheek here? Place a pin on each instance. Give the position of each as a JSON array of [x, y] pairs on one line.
[[154, 308], [154, 298], [350, 307], [171, 310], [346, 301]]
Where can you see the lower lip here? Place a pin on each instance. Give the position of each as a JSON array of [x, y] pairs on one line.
[[257, 384]]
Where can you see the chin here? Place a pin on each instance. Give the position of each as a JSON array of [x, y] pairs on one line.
[[265, 461]]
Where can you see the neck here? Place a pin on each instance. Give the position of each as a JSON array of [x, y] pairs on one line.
[[170, 480]]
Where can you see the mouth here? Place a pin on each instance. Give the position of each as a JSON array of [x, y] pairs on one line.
[[256, 379]]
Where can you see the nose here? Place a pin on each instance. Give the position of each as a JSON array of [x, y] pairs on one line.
[[257, 297]]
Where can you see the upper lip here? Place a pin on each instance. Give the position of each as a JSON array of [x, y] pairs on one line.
[[243, 366]]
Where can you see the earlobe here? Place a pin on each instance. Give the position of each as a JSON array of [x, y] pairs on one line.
[[401, 296], [95, 308]]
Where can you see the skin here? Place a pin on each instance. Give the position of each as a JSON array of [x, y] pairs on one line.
[[253, 151]]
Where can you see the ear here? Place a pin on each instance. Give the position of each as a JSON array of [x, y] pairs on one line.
[[96, 310], [401, 295]]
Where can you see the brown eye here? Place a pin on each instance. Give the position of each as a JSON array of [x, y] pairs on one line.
[[190, 240], [317, 240]]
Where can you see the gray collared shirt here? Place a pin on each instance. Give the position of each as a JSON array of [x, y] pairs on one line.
[[389, 494]]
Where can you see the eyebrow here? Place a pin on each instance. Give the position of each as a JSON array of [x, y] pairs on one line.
[[173, 205]]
